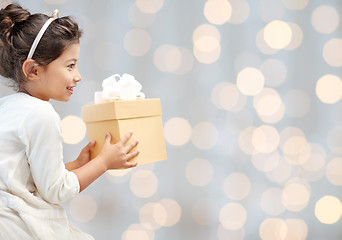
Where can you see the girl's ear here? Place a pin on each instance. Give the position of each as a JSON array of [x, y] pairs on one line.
[[30, 70]]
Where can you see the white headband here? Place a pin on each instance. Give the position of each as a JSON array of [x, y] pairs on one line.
[[55, 15]]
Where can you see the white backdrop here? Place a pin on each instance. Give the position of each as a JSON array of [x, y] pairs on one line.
[[250, 93]]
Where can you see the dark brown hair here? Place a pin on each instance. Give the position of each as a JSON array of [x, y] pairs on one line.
[[18, 29]]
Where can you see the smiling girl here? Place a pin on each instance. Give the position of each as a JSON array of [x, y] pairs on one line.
[[40, 54]]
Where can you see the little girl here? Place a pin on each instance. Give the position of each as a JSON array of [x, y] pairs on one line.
[[40, 54]]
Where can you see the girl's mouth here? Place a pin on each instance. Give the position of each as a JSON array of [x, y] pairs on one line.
[[70, 89]]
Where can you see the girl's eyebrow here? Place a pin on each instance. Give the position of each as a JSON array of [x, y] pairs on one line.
[[72, 60]]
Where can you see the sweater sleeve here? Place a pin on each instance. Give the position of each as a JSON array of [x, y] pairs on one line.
[[42, 135]]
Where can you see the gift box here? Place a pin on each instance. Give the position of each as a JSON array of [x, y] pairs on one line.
[[142, 116]]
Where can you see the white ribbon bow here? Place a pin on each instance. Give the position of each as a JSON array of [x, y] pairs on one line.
[[125, 88]]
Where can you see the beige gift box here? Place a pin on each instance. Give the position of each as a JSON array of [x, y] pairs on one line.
[[118, 117]]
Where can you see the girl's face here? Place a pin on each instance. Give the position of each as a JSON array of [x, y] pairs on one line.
[[58, 78]]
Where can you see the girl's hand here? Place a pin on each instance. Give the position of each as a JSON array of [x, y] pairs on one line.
[[82, 159], [118, 155], [84, 156], [111, 156]]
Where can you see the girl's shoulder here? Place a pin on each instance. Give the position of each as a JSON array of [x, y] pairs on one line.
[[24, 104]]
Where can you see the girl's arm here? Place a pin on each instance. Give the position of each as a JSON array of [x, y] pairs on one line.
[[111, 156]]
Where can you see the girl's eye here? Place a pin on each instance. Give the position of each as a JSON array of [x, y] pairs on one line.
[[71, 66]]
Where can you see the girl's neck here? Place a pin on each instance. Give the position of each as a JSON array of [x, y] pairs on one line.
[[23, 90]]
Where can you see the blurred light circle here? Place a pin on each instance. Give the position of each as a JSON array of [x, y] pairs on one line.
[[149, 6], [160, 214], [205, 211], [331, 50], [313, 176], [224, 234], [118, 175], [281, 173], [271, 202], [276, 117], [233, 216], [237, 191], [250, 81], [240, 11], [334, 171], [273, 229], [297, 103], [315, 163], [269, 105], [329, 88], [262, 45], [73, 129], [288, 133], [334, 139], [225, 95], [167, 58], [177, 131], [318, 150], [206, 43], [77, 206], [325, 19], [187, 61], [265, 162], [265, 139], [204, 135], [138, 18], [147, 212], [297, 36], [277, 34], [297, 150], [206, 30], [199, 172], [296, 229], [328, 209], [217, 11], [294, 145], [137, 42], [274, 72], [295, 197], [245, 140], [138, 231], [143, 183], [173, 213], [207, 57], [295, 4]]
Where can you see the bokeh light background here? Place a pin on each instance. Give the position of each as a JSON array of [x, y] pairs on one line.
[[250, 93]]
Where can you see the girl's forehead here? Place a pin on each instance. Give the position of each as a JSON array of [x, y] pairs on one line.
[[71, 52]]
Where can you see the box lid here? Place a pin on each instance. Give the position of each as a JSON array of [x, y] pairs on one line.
[[121, 109]]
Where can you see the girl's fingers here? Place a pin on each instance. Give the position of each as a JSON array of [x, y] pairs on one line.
[[130, 164], [108, 137], [90, 145], [131, 155], [132, 145], [125, 138]]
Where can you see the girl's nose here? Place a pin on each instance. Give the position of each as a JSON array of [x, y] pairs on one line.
[[78, 77]]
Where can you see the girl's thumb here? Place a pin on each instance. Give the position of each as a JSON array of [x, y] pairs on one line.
[[108, 137]]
